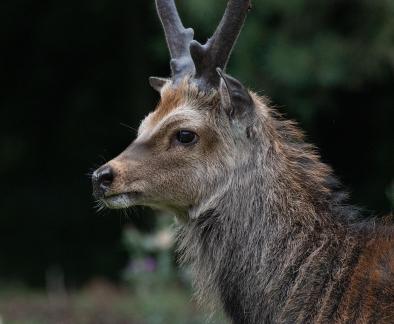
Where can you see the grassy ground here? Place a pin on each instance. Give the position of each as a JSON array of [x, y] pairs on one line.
[[102, 303]]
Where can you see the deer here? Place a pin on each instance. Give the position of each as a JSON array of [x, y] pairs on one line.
[[263, 223]]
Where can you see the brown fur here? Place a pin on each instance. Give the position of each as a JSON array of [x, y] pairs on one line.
[[370, 295], [172, 99]]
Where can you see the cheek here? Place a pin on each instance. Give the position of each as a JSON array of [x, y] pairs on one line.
[[176, 180]]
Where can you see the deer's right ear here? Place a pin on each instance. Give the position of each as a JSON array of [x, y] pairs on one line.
[[157, 83], [235, 98]]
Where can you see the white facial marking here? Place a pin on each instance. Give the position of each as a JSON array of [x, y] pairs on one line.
[[119, 201]]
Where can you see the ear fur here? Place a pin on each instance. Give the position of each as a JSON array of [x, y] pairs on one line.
[[235, 98], [157, 83]]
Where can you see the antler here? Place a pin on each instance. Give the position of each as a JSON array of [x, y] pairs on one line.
[[178, 39], [216, 51], [189, 57]]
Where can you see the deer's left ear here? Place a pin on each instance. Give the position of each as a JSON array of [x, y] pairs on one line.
[[235, 98], [157, 83]]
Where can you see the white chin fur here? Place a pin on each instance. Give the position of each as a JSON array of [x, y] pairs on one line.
[[119, 201]]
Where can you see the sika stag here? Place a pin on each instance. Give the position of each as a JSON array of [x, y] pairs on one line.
[[262, 221]]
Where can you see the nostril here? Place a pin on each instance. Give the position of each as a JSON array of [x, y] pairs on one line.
[[102, 180], [105, 177]]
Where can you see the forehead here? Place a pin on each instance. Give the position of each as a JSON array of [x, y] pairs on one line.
[[171, 99], [182, 102]]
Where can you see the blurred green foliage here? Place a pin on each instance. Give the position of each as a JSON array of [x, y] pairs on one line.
[[74, 70]]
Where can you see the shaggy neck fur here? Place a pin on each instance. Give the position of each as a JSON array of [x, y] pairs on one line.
[[264, 244]]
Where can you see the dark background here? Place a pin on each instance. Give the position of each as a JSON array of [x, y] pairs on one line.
[[73, 71]]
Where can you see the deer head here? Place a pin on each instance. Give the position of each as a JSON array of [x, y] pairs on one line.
[[202, 130]]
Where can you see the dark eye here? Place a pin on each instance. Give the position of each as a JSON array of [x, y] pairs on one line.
[[186, 137]]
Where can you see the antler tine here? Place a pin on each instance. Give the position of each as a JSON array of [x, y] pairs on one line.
[[178, 39], [216, 52]]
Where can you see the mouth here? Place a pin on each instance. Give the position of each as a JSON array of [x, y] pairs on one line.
[[122, 200]]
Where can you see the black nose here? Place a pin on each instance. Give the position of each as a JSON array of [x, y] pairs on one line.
[[102, 179]]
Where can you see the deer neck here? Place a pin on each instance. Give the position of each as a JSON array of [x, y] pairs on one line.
[[253, 236]]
